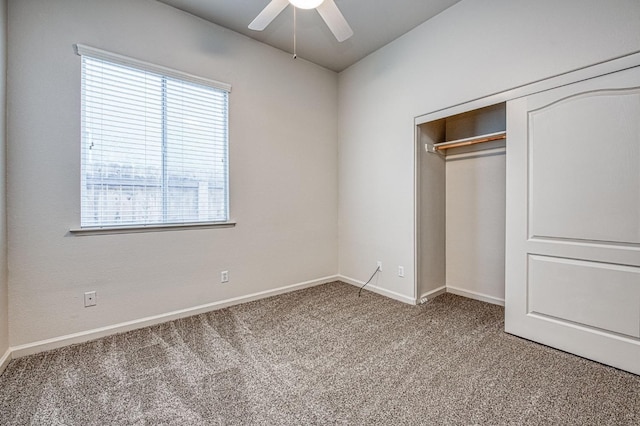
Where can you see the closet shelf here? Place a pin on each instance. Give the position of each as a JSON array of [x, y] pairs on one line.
[[471, 141]]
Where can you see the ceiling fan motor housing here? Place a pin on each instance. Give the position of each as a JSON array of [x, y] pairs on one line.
[[306, 4]]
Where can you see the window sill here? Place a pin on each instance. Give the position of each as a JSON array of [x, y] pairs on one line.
[[102, 230]]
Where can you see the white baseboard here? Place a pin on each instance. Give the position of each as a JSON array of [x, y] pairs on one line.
[[431, 294], [5, 359], [477, 296], [85, 336], [382, 291]]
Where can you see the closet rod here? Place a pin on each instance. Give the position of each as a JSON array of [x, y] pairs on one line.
[[471, 141]]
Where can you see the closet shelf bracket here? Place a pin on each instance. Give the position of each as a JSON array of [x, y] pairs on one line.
[[430, 148]]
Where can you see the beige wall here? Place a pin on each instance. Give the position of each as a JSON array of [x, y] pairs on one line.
[[283, 162], [474, 49], [285, 157], [475, 224], [4, 291]]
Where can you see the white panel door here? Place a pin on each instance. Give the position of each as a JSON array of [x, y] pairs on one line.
[[573, 219]]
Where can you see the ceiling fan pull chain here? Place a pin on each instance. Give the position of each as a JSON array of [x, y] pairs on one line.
[[295, 55]]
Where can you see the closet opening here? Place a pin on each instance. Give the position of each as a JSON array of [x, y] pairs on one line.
[[461, 205]]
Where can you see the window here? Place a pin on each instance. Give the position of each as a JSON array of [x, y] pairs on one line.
[[154, 144]]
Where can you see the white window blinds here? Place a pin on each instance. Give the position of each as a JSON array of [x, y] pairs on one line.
[[154, 145]]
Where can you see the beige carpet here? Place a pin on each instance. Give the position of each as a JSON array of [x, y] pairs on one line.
[[319, 356]]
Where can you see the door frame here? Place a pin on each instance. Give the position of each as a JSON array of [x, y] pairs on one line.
[[615, 64]]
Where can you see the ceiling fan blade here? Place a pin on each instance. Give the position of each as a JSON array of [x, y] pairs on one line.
[[268, 14], [334, 19]]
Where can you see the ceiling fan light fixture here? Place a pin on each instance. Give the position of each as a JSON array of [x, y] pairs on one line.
[[306, 4], [326, 8]]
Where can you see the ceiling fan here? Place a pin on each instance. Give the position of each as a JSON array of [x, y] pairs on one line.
[[326, 8]]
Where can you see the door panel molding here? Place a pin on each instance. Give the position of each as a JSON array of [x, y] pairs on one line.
[[594, 294], [584, 180]]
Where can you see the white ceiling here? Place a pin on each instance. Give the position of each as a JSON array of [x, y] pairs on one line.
[[374, 23]]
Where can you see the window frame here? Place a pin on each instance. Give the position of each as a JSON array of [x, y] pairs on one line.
[[83, 50]]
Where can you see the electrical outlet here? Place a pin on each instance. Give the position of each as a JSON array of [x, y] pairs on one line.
[[224, 276], [401, 271], [90, 299], [379, 263]]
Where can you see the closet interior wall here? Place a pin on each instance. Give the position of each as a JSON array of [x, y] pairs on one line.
[[461, 213]]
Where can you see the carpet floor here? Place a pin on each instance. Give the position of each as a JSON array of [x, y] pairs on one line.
[[319, 356]]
